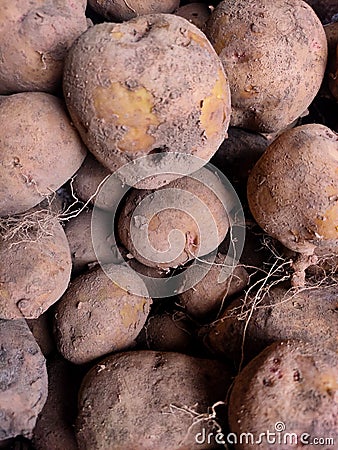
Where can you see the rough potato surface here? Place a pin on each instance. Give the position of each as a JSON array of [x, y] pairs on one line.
[[309, 315], [139, 410], [35, 36], [96, 316], [35, 270], [291, 382], [168, 227], [23, 379], [292, 190], [120, 10], [39, 150], [274, 53], [147, 86]]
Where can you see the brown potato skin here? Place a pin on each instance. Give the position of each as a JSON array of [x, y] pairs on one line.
[[96, 316], [35, 272], [161, 224], [23, 379], [275, 56], [119, 10], [293, 382], [79, 234], [308, 315], [40, 150], [35, 36], [87, 181], [196, 13], [54, 427], [42, 333], [132, 410], [208, 296], [150, 85], [292, 189]]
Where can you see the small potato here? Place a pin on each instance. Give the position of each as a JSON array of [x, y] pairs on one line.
[[35, 36], [96, 316], [79, 234], [291, 387], [120, 10], [308, 315], [333, 76], [36, 264], [150, 86], [23, 379], [42, 333], [87, 182], [274, 53], [169, 332], [149, 400], [54, 427], [39, 150], [184, 219], [206, 298], [196, 13], [292, 190]]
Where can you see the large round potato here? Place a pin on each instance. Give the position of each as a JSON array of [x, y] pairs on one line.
[[148, 86], [290, 390], [274, 53], [149, 400], [23, 379], [293, 189], [96, 316], [39, 150], [35, 36], [35, 266]]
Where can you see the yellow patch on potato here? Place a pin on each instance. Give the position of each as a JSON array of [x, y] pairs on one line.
[[129, 313], [131, 109], [213, 110], [327, 226]]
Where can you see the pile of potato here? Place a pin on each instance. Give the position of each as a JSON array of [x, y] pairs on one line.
[[168, 224]]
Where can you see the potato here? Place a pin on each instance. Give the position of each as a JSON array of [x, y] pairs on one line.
[[36, 265], [274, 54], [97, 315], [41, 331], [54, 427], [301, 211], [35, 36], [237, 155], [23, 379], [120, 10], [308, 315], [150, 86], [39, 149], [333, 76], [331, 31], [196, 13], [147, 406], [87, 182], [291, 387], [184, 219], [79, 234], [169, 332], [207, 297]]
